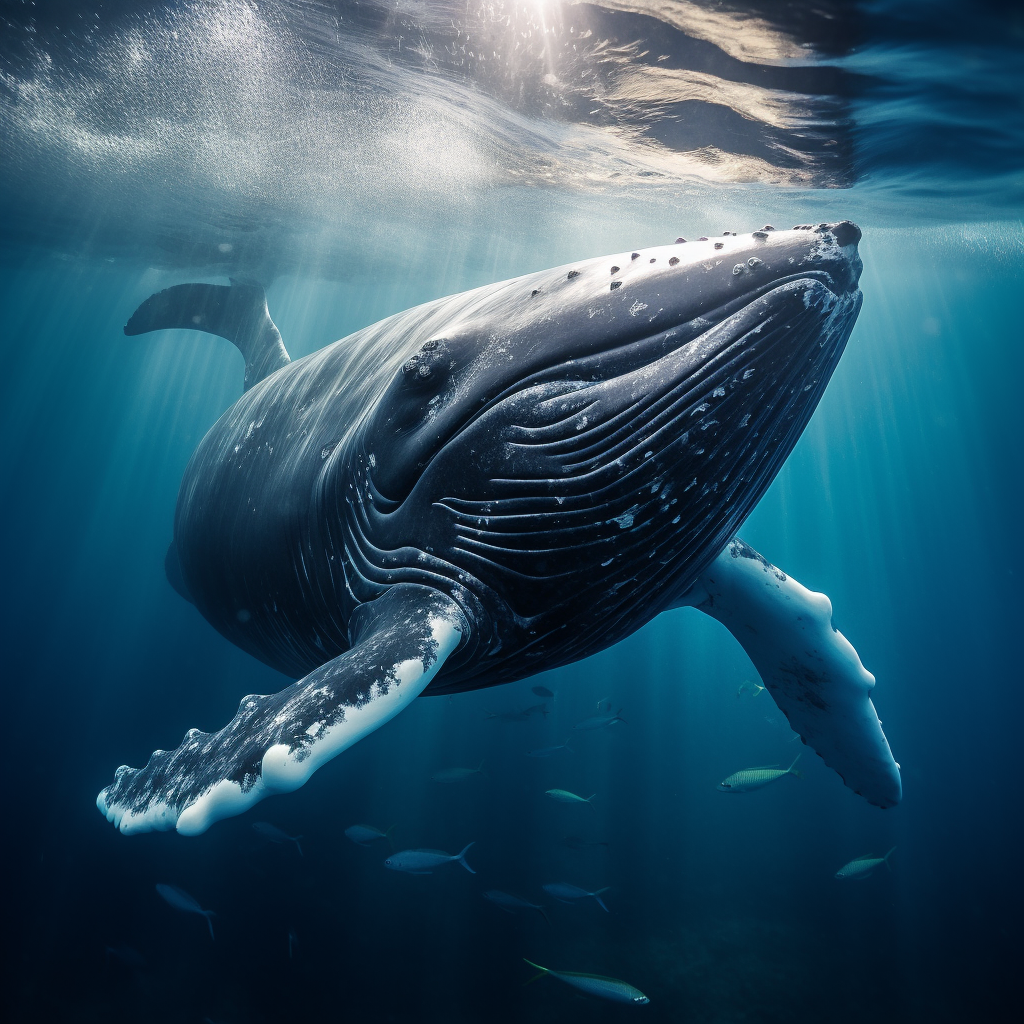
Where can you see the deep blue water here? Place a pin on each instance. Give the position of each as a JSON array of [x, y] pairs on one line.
[[902, 502]]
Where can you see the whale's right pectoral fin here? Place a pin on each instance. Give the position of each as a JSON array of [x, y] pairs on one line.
[[274, 743], [237, 312], [808, 666]]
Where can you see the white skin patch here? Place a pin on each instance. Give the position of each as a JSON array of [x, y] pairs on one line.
[[354, 711], [811, 670]]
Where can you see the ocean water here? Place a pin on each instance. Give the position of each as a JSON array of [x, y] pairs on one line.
[[359, 159]]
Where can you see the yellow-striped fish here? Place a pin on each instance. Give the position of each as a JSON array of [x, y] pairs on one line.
[[755, 778], [861, 867], [596, 985]]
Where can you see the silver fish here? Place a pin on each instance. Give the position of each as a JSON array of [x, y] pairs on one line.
[[423, 862], [457, 774], [513, 904], [563, 796], [542, 691], [275, 835], [599, 721], [567, 893], [548, 751], [861, 867], [181, 900], [367, 835], [754, 778], [596, 985], [536, 709]]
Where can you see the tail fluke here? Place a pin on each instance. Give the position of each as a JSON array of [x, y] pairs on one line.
[[789, 770], [597, 896], [461, 858], [209, 915], [237, 312], [885, 859], [387, 836], [298, 845]]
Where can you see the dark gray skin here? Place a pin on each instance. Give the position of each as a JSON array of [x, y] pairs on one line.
[[553, 459], [444, 446]]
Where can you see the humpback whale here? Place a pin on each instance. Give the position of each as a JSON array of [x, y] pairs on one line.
[[500, 482]]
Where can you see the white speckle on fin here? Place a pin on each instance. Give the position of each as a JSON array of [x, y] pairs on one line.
[[218, 775], [811, 670]]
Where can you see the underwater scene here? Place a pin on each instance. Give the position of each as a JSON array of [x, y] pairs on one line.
[[623, 618]]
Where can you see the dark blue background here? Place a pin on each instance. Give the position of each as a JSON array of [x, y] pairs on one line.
[[902, 502]]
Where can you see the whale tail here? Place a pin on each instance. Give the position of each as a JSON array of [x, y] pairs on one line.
[[237, 312]]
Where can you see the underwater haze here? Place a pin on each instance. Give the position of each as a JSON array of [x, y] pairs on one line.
[[358, 159]]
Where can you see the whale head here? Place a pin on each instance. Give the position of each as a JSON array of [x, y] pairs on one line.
[[613, 419]]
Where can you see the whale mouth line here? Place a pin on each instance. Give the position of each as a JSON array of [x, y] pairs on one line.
[[615, 362]]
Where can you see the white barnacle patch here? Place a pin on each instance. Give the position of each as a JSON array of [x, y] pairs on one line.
[[192, 793], [637, 307], [625, 521]]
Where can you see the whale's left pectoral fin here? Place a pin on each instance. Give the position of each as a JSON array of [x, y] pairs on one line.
[[808, 666], [274, 743]]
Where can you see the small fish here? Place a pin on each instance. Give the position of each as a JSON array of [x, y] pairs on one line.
[[755, 778], [536, 709], [293, 941], [567, 893], [457, 774], [577, 843], [563, 796], [599, 721], [542, 691], [275, 835], [181, 900], [861, 867], [513, 904], [423, 862], [596, 985], [548, 751], [367, 835], [749, 687]]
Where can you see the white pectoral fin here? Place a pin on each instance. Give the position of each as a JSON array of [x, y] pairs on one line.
[[809, 667], [275, 743]]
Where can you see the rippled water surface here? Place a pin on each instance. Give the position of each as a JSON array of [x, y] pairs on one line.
[[358, 159]]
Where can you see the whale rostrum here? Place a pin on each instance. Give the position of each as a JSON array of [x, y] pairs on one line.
[[499, 482]]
